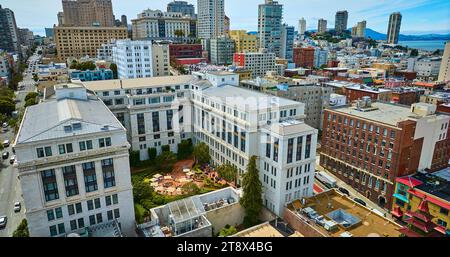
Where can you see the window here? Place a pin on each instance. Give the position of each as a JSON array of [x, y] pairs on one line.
[[108, 200], [70, 180], [61, 228], [116, 213], [78, 207], [50, 215], [92, 220], [44, 152], [290, 150], [53, 231], [441, 223], [110, 215], [115, 199], [71, 209], [99, 218], [49, 185], [140, 123], [108, 173], [90, 205], [40, 154], [73, 225], [82, 146], [155, 121], [97, 203], [308, 147], [90, 178], [81, 222], [58, 212], [444, 211]]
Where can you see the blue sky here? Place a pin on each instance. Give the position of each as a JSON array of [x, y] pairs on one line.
[[419, 16]]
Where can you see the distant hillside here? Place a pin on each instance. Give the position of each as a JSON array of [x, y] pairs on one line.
[[380, 36]]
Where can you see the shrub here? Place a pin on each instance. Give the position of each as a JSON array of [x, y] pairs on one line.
[[152, 154], [165, 148], [134, 158], [22, 229], [227, 231]]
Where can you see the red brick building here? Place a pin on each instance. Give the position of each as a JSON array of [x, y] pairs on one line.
[[370, 146], [185, 51], [405, 97], [304, 57], [359, 91]]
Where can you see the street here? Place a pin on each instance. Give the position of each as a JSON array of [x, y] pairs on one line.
[[10, 190], [353, 192]]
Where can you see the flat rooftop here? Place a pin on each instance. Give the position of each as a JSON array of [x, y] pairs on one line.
[[247, 99], [390, 114], [368, 89], [105, 85], [437, 184], [364, 222]]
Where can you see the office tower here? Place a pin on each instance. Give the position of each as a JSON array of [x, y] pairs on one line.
[[124, 21], [73, 166], [287, 42], [322, 26], [395, 21], [165, 25], [86, 13], [340, 24], [9, 38], [81, 41], [244, 42], [301, 26], [259, 62], [211, 17], [270, 18], [444, 72], [222, 50], [182, 7], [367, 148], [133, 59]]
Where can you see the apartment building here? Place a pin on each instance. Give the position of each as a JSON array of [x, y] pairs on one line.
[[222, 50], [156, 24], [82, 41], [86, 13], [270, 18], [428, 68], [133, 59], [73, 165], [322, 26], [340, 23], [244, 42], [232, 121], [395, 22], [369, 145], [304, 57], [259, 62], [320, 57], [160, 59], [287, 42], [9, 38], [211, 18]]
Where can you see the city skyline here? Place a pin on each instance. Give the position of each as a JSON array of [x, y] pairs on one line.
[[419, 16]]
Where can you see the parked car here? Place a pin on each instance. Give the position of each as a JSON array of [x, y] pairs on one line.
[[5, 155], [12, 159], [320, 220], [17, 207], [344, 191], [360, 201], [6, 143], [3, 221], [5, 124]]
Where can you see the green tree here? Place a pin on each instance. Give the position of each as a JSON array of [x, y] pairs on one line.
[[113, 68], [252, 189], [191, 188], [414, 52], [7, 107], [31, 95], [165, 148], [35, 77], [165, 161], [135, 158], [22, 229], [141, 191], [201, 153], [30, 102], [179, 33], [184, 149], [227, 231], [227, 172], [152, 153]]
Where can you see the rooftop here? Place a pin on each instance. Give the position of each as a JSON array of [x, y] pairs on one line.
[[375, 90], [381, 112], [352, 218], [115, 84], [247, 99], [269, 229], [50, 119]]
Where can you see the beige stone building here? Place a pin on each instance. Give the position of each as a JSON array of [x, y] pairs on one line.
[[160, 60], [88, 13], [81, 41]]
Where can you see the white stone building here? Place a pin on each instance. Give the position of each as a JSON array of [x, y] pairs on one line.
[[73, 165], [234, 122], [259, 63], [133, 59]]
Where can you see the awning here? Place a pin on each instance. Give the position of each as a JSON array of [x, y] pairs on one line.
[[405, 231], [401, 197], [441, 229], [397, 212]]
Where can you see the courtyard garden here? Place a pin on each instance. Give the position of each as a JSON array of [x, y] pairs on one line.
[[171, 177]]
